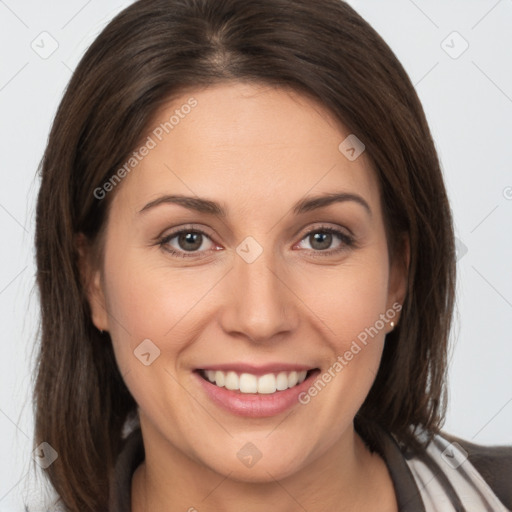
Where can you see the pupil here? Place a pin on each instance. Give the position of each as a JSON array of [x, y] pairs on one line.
[[190, 238], [324, 239]]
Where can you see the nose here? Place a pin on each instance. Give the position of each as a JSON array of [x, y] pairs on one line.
[[259, 306]]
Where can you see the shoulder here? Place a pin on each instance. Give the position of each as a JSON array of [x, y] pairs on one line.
[[444, 468], [493, 463]]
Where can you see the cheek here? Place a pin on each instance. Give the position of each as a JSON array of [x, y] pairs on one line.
[[153, 302], [350, 304], [349, 298], [156, 302], [152, 312]]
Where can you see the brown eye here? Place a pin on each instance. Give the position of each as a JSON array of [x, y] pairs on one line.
[[190, 241], [194, 242], [320, 241]]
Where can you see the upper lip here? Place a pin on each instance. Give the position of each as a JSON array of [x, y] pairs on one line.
[[257, 369]]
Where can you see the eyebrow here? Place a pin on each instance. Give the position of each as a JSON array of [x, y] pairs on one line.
[[211, 207]]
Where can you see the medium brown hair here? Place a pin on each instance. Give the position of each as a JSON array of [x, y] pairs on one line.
[[151, 52]]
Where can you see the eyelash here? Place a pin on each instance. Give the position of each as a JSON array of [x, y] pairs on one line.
[[347, 242]]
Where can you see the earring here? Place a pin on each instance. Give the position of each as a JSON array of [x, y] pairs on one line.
[[392, 325]]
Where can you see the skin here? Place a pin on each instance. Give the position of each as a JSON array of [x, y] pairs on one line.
[[256, 151]]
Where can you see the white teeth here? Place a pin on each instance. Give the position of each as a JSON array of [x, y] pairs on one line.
[[218, 378], [267, 384], [249, 383], [231, 381], [282, 381]]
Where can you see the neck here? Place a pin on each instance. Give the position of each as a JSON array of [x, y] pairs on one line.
[[169, 480]]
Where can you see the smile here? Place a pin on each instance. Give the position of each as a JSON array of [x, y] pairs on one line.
[[245, 390], [250, 383]]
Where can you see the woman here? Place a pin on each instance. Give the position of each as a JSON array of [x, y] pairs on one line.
[[246, 268]]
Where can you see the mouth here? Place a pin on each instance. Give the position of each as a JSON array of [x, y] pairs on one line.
[[251, 392], [249, 383]]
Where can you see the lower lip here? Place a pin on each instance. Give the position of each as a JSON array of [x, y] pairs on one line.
[[254, 405]]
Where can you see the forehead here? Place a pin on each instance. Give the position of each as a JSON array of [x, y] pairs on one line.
[[246, 145]]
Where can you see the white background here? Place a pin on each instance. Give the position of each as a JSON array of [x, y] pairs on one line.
[[468, 101]]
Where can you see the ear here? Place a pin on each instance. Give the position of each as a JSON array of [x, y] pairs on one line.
[[90, 274], [399, 273]]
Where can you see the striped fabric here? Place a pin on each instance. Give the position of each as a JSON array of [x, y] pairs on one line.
[[448, 482]]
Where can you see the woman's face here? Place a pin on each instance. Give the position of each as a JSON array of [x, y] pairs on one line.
[[282, 285]]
